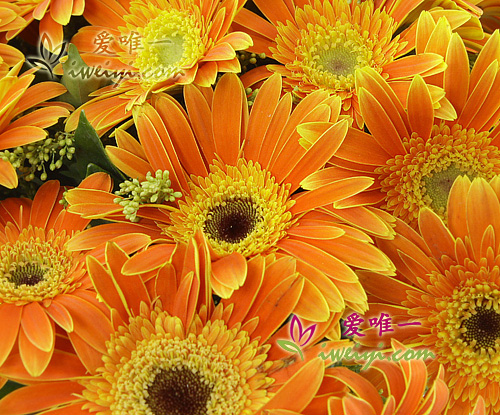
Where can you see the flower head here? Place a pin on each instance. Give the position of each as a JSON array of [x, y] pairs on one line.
[[154, 46], [171, 350], [43, 286], [238, 173], [416, 146], [321, 44], [448, 279]]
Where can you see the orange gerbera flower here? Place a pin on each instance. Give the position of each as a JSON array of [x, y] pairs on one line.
[[412, 154], [155, 45], [16, 15], [244, 171], [44, 287], [404, 389], [448, 278], [172, 351], [16, 97], [320, 44]]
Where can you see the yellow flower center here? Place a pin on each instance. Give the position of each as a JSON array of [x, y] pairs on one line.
[[424, 175], [239, 208], [153, 368], [328, 40], [330, 55], [468, 330], [170, 43], [37, 266]]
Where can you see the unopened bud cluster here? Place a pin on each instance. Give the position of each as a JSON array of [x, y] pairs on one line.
[[249, 60], [153, 190], [34, 157], [251, 95]]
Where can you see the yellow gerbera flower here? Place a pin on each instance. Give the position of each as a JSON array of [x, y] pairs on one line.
[[172, 351], [244, 169], [448, 279], [153, 46], [415, 151]]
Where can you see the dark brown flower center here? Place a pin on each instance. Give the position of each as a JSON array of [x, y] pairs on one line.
[[483, 327], [30, 273], [233, 220], [178, 392]]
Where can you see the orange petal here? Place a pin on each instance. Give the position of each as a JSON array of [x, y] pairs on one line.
[[8, 175], [456, 76], [37, 326], [39, 397], [20, 136], [276, 306], [10, 319], [230, 270], [303, 386], [420, 109], [330, 193], [89, 322], [263, 109], [35, 360], [227, 117], [153, 257], [60, 315]]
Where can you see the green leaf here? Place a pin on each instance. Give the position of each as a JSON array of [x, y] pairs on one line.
[[90, 156], [79, 78]]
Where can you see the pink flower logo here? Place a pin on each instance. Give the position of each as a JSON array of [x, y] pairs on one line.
[[299, 336]]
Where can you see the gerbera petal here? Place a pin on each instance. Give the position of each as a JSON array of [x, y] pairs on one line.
[[230, 270], [361, 147], [20, 136], [60, 11], [330, 193], [424, 64], [132, 286], [483, 210], [286, 294], [180, 133], [380, 123], [8, 175], [227, 117], [201, 120], [303, 385], [38, 397], [420, 110], [436, 235], [60, 315], [10, 318], [107, 287], [43, 203], [63, 366], [261, 115], [89, 322], [478, 96], [37, 327], [319, 153], [35, 360], [457, 73], [489, 53], [153, 257], [386, 288]]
